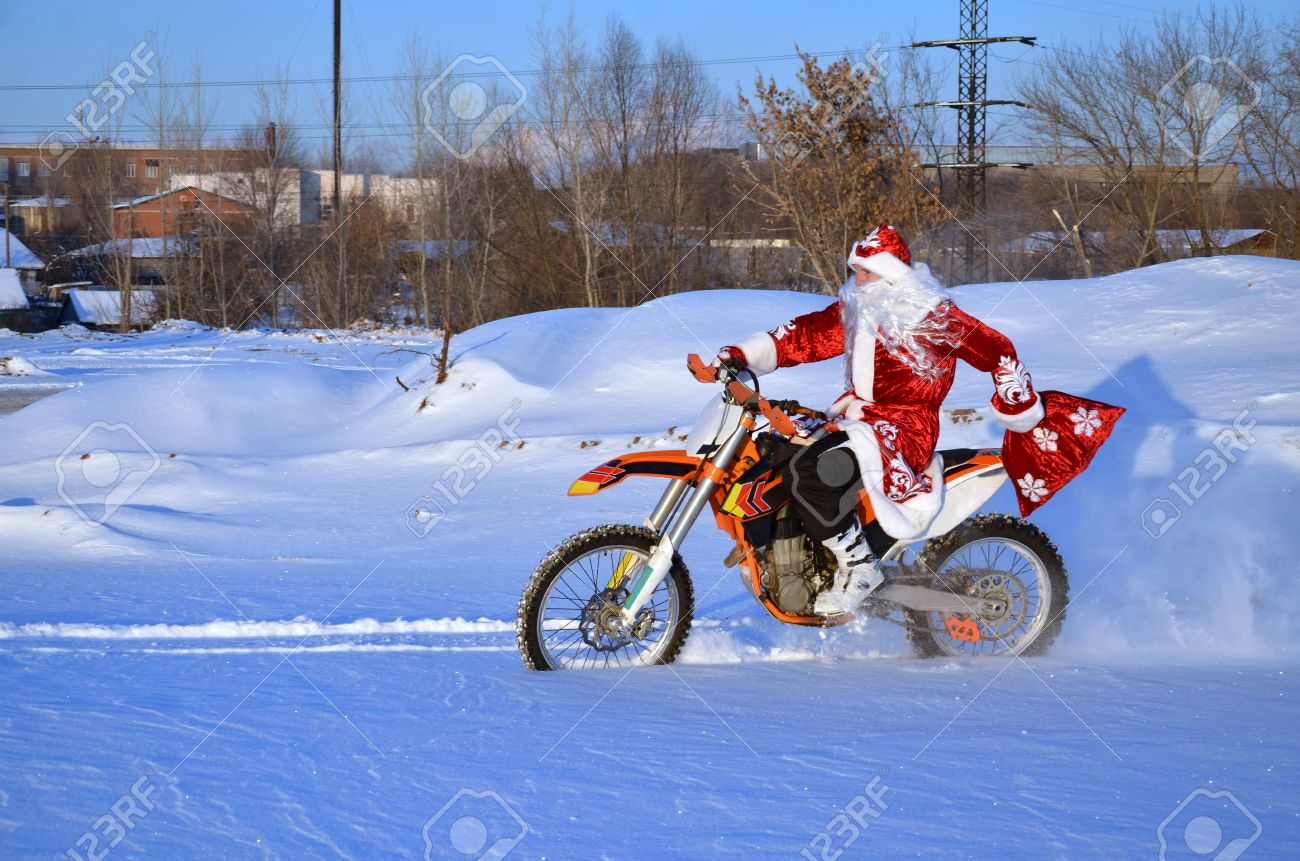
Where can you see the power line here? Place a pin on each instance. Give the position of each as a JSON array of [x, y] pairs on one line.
[[372, 79], [378, 130], [1092, 11]]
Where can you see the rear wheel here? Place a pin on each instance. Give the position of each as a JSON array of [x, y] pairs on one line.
[[569, 613], [1003, 558]]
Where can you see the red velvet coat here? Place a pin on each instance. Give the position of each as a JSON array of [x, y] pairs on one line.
[[1050, 439]]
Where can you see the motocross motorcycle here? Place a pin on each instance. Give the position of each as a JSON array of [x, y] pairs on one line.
[[620, 595]]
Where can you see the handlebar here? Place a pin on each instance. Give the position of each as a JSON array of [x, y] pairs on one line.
[[792, 407], [741, 394]]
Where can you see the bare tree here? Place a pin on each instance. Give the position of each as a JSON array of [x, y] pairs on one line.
[[415, 143], [268, 178], [683, 106], [1272, 142], [1140, 114], [561, 152], [839, 162]]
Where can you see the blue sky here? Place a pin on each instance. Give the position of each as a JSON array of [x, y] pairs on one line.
[[74, 42]]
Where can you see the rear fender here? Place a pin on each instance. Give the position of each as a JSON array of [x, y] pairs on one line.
[[671, 464], [967, 486]]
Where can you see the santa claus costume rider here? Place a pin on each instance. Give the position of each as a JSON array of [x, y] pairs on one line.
[[901, 338]]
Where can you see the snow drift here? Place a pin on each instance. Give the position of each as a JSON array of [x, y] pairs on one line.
[[1173, 544], [299, 669]]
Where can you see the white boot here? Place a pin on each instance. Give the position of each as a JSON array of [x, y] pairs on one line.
[[857, 577]]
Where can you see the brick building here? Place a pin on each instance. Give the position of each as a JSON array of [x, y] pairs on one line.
[[31, 170], [180, 210]]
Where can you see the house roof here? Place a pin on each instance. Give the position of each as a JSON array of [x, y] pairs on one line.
[[1219, 238], [44, 201], [140, 248], [104, 307], [149, 197], [20, 256], [436, 249], [11, 290], [1171, 240]]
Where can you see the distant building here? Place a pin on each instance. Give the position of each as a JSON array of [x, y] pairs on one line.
[[1069, 162], [103, 308], [434, 249], [1180, 243], [149, 256], [13, 300], [180, 210], [302, 197], [12, 295], [15, 255], [53, 167], [40, 214]]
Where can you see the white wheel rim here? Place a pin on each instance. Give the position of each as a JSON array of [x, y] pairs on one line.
[[1027, 587], [561, 641]]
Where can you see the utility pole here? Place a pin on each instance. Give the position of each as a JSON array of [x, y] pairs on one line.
[[124, 297], [971, 104], [338, 162], [8, 263]]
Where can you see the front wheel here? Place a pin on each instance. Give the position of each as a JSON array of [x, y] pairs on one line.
[[1002, 558], [569, 614]]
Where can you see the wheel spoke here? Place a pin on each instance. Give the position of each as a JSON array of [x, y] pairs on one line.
[[577, 631], [1001, 568]]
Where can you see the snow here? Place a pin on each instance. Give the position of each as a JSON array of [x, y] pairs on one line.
[[17, 366], [1170, 241], [12, 294], [435, 249], [148, 197], [20, 256], [104, 307], [42, 201], [1184, 240], [140, 247], [256, 633]]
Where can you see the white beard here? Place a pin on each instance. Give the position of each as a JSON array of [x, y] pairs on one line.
[[897, 313]]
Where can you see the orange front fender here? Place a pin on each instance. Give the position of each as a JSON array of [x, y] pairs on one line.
[[673, 464]]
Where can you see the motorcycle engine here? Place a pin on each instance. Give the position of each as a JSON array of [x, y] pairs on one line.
[[791, 573]]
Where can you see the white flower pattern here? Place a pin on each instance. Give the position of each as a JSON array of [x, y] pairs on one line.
[[900, 481], [1032, 488], [1086, 421], [1045, 439], [888, 433], [1013, 381], [781, 331]]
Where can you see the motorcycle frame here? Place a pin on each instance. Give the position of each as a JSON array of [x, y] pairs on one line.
[[706, 480]]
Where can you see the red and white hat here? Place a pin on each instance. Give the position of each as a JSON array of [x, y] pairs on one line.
[[883, 252]]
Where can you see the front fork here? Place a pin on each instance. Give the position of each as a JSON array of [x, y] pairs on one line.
[[660, 562]]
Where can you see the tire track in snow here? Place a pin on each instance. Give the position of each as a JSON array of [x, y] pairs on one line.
[[232, 629], [242, 629]]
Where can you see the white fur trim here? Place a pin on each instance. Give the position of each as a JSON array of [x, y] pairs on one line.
[[1021, 422], [842, 404], [901, 520], [863, 371], [884, 264], [760, 352]]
